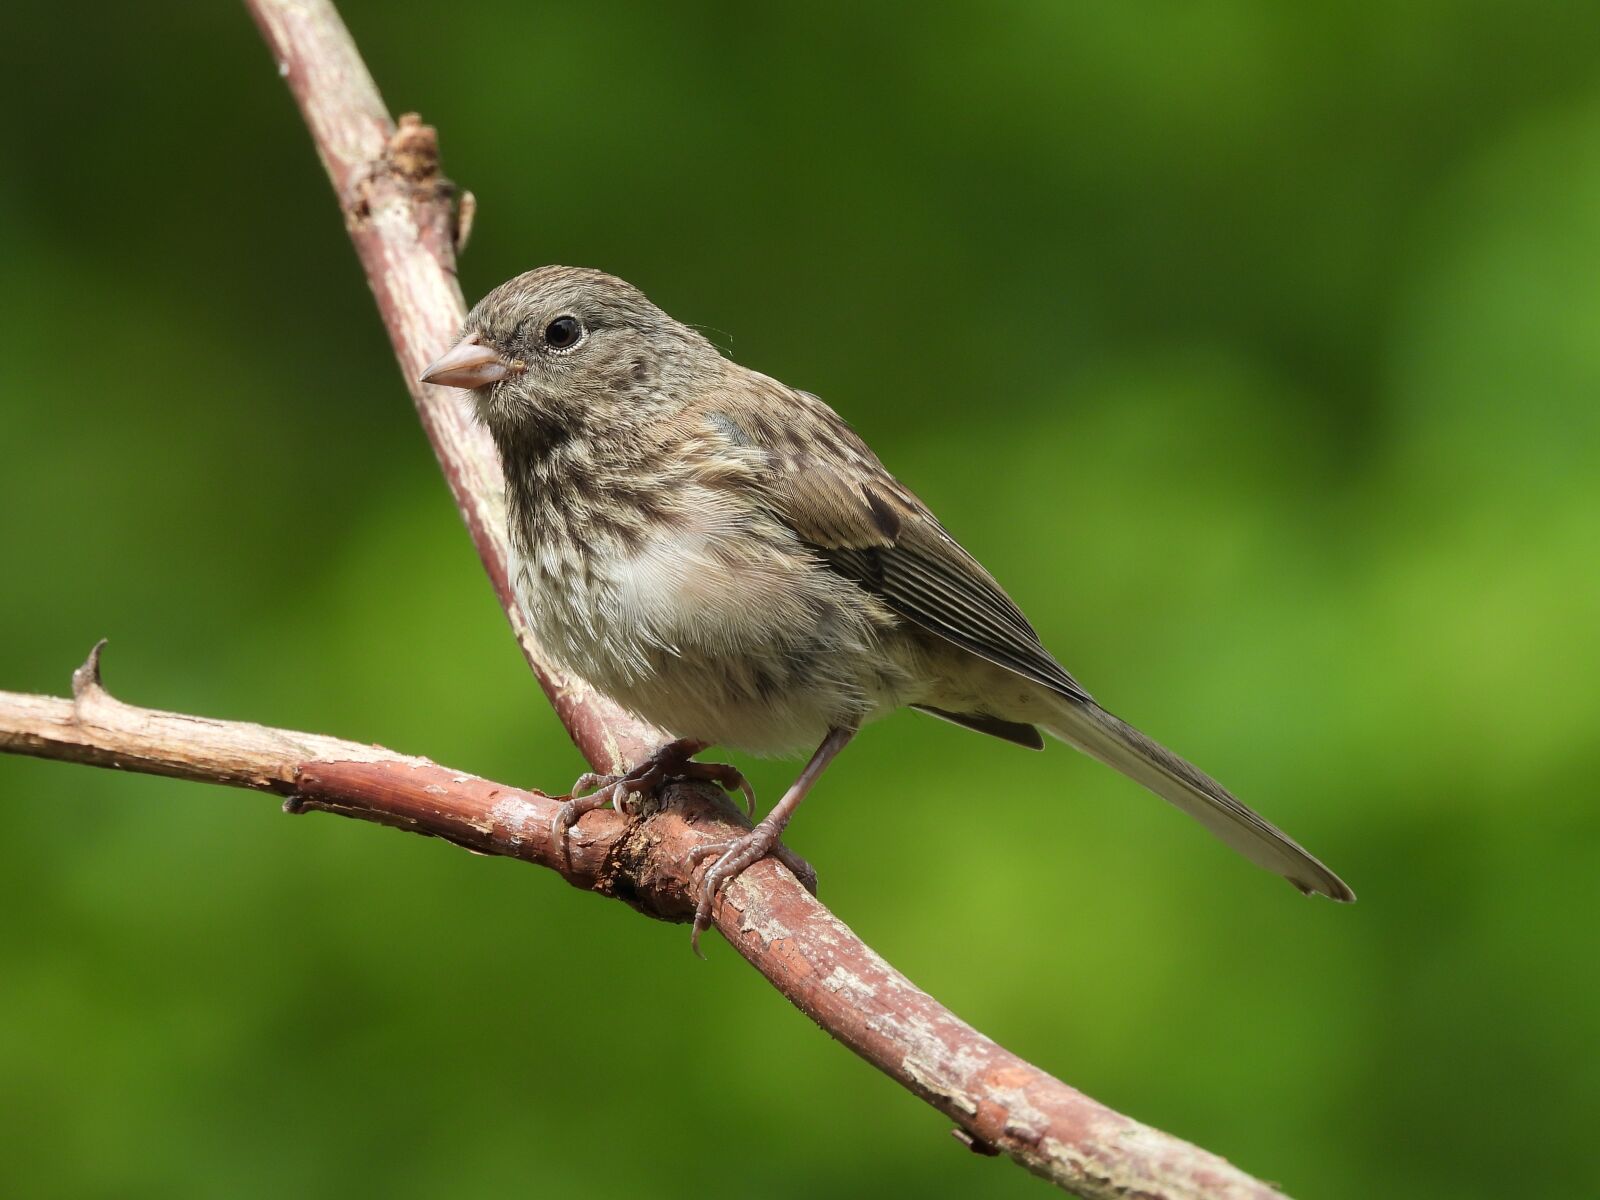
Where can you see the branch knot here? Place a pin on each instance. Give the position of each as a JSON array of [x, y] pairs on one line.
[[408, 171], [413, 151]]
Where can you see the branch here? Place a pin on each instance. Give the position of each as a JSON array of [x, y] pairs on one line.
[[1000, 1103], [640, 863], [400, 212]]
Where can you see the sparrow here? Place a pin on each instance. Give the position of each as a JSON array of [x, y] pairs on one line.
[[725, 557]]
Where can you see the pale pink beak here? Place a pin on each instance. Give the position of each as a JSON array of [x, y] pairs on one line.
[[469, 364]]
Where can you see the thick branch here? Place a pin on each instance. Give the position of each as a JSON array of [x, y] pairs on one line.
[[1000, 1102]]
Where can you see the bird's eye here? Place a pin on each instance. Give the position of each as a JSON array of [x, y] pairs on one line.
[[563, 333]]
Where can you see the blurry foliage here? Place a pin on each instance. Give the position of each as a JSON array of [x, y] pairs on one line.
[[1253, 346]]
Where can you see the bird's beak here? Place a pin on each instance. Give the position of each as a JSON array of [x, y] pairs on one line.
[[470, 364]]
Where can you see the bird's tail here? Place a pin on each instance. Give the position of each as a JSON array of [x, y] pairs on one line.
[[1119, 745]]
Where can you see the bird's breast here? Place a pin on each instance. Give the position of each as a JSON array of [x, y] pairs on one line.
[[711, 620]]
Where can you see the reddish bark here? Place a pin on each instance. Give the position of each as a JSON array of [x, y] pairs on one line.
[[1000, 1102]]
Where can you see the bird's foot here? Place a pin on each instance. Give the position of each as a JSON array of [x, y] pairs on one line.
[[672, 761], [733, 856], [725, 775]]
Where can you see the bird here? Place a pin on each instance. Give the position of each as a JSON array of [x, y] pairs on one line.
[[726, 558]]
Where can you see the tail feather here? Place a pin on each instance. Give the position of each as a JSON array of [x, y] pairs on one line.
[[1090, 728]]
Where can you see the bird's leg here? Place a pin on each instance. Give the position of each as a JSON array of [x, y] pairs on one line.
[[738, 853], [671, 761]]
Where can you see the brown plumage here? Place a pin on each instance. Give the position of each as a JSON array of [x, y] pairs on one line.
[[725, 557]]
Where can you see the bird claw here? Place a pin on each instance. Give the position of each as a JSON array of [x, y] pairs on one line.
[[733, 857], [726, 776], [615, 790], [568, 815], [672, 761], [573, 810]]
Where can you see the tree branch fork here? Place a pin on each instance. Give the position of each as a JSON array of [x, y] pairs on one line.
[[642, 861]]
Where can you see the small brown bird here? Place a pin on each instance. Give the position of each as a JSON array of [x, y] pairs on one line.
[[722, 555]]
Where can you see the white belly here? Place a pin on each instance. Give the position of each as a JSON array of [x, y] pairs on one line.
[[740, 640]]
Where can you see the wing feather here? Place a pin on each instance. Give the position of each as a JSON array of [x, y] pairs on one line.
[[864, 524]]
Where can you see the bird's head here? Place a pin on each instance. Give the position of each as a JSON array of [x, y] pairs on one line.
[[563, 350]]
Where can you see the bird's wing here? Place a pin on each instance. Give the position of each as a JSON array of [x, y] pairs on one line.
[[827, 485]]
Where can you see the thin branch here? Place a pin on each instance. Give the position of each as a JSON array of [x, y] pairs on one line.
[[1000, 1103], [402, 216]]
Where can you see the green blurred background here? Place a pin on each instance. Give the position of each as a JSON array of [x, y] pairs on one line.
[[1253, 346]]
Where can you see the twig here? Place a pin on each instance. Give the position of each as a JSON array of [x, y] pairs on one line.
[[1000, 1103]]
